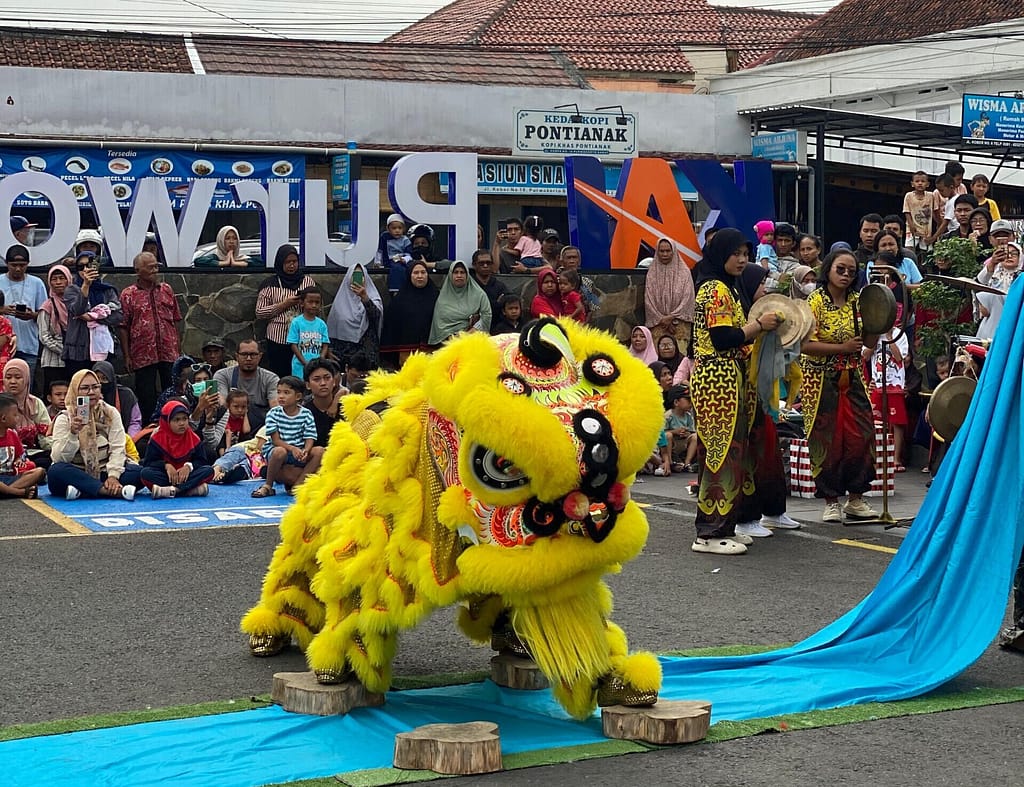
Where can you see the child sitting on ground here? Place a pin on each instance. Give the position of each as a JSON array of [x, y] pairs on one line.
[[572, 301], [307, 332], [681, 430], [511, 315], [290, 449], [18, 476], [175, 461], [241, 461], [55, 398], [231, 425]]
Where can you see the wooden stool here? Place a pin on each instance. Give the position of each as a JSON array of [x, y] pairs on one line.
[[665, 722], [299, 692], [454, 749], [515, 672]]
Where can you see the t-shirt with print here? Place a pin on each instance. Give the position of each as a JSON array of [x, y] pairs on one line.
[[919, 209], [896, 372], [11, 450], [310, 336], [292, 429]]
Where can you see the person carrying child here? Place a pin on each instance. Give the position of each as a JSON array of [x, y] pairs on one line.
[[307, 333], [527, 248], [175, 461], [19, 477], [291, 451], [230, 426], [394, 251]]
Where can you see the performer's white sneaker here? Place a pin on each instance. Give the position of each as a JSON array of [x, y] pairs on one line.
[[783, 521], [858, 509], [833, 513], [718, 546], [739, 538], [755, 529]]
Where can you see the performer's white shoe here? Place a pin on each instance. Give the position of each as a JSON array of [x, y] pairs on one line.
[[833, 513], [783, 521], [740, 538], [718, 546], [755, 529]]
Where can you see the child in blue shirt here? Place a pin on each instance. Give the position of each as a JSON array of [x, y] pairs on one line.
[[307, 332], [394, 252], [766, 255]]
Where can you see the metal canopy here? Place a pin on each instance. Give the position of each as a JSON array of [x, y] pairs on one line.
[[906, 137]]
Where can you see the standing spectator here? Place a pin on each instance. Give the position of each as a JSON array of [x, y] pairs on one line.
[[394, 251], [809, 251], [88, 454], [149, 330], [894, 223], [226, 253], [504, 249], [892, 375], [999, 271], [980, 189], [52, 322], [942, 208], [20, 228], [278, 301], [260, 384], [89, 240], [483, 275], [461, 306], [356, 316], [84, 294], [548, 300], [213, 354], [963, 206], [408, 316], [870, 226], [23, 295], [307, 333], [918, 212], [669, 295], [550, 245]]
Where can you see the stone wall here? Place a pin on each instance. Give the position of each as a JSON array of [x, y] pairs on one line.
[[223, 304]]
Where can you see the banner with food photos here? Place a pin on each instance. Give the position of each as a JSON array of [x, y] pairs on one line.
[[124, 167]]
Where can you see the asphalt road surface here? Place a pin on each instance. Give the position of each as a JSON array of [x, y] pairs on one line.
[[104, 623]]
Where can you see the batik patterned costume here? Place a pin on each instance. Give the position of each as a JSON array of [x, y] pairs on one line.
[[836, 406]]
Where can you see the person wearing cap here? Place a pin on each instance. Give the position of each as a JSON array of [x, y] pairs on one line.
[[550, 245], [20, 227], [213, 354], [24, 295], [394, 251]]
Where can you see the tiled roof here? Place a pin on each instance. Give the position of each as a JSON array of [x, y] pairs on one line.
[[606, 35], [384, 61], [858, 23], [93, 51]]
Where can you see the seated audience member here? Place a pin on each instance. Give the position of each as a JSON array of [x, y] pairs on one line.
[[356, 371], [461, 306], [511, 315], [641, 344], [307, 333], [663, 374], [242, 461], [291, 451], [175, 461], [484, 275], [572, 301], [548, 300], [120, 396], [322, 400], [356, 317], [88, 454], [668, 352], [408, 315], [213, 354], [569, 258], [681, 430], [260, 384], [19, 477], [31, 421], [55, 394], [186, 375], [226, 252], [226, 426]]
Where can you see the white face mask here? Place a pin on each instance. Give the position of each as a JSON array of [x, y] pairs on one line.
[[808, 288]]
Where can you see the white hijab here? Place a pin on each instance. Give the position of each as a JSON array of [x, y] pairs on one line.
[[347, 320]]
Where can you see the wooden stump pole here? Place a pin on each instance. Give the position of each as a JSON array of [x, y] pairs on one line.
[[665, 722], [299, 692], [453, 749], [515, 672]]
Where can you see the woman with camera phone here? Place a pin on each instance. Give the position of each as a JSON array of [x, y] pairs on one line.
[[84, 294]]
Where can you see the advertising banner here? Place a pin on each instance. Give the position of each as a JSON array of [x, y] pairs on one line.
[[175, 168], [992, 118]]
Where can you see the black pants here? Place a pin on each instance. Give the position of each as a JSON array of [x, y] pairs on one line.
[[1018, 595], [278, 358], [150, 381]]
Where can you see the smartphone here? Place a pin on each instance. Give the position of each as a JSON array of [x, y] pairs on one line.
[[503, 226], [358, 278], [211, 386], [21, 307], [94, 264], [82, 407]]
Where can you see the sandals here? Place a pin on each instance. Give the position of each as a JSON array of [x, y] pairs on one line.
[[31, 493], [264, 491]]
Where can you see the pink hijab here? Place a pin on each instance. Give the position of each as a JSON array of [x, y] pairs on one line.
[[668, 289], [649, 355], [54, 306]]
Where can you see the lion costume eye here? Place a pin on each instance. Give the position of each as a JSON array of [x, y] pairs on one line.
[[496, 471], [514, 384]]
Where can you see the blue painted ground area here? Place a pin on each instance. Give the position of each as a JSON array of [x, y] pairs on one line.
[[225, 506]]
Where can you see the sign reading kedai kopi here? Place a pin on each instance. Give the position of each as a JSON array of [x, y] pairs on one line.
[[561, 132]]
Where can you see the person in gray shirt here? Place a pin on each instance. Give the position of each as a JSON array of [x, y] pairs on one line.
[[259, 383]]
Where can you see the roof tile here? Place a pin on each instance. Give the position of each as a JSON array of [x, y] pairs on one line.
[[97, 51]]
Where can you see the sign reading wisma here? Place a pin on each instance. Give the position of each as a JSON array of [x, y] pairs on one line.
[[563, 133], [992, 118]]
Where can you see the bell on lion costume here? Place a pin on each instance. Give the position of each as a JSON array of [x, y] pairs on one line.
[[494, 473]]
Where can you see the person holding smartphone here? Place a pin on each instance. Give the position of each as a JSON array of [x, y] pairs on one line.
[[86, 292], [24, 295], [356, 316]]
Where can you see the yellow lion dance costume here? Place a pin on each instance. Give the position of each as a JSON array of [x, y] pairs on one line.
[[493, 473]]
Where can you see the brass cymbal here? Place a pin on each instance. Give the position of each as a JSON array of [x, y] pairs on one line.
[[949, 404], [963, 283], [794, 324]]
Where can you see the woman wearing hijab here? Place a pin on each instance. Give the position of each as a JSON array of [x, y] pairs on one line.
[[548, 300], [278, 301], [52, 322], [408, 315], [175, 461], [805, 280], [723, 400], [32, 422], [668, 353], [121, 397], [641, 345], [81, 297], [669, 295], [461, 306], [88, 454], [999, 271], [354, 324]]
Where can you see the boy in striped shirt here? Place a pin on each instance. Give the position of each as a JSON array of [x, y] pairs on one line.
[[291, 432]]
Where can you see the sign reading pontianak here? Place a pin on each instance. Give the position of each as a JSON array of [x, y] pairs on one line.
[[565, 133]]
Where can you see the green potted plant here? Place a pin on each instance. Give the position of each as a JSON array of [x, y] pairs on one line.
[[942, 304]]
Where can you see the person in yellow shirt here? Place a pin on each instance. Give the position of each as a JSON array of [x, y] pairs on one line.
[[980, 188]]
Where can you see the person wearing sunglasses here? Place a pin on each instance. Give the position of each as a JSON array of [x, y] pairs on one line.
[[186, 372], [836, 406]]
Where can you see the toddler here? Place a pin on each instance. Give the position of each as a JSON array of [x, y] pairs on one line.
[[231, 427], [572, 301], [175, 461], [394, 252], [528, 245], [19, 477], [893, 376], [766, 255], [681, 430]]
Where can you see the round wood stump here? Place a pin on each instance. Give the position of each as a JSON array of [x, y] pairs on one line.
[[666, 722], [515, 672], [454, 749], [299, 692]]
